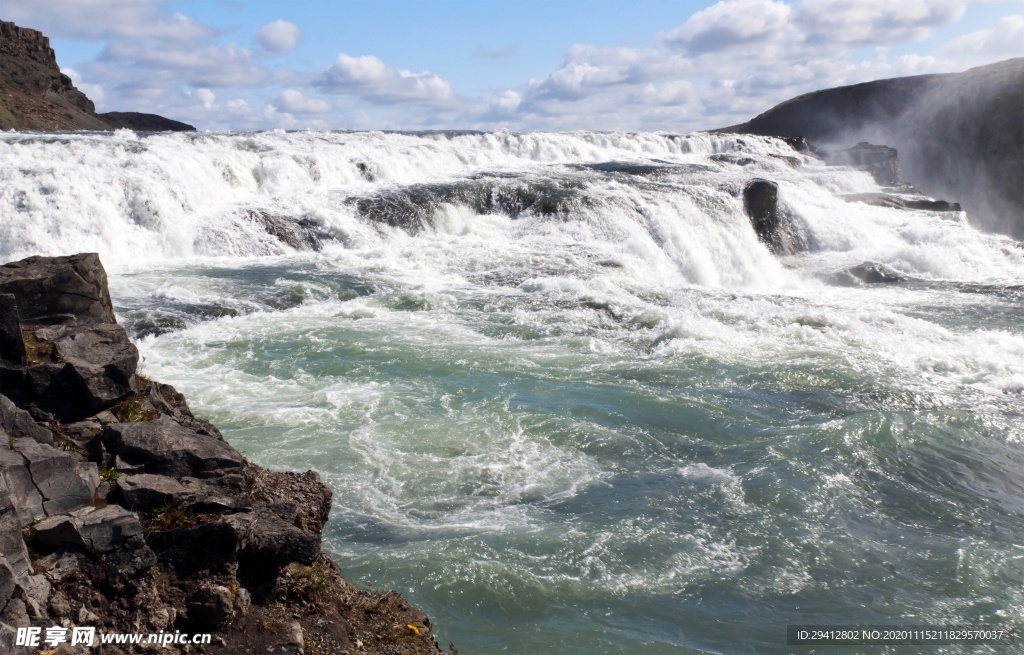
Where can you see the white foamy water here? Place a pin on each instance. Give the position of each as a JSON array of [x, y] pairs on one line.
[[568, 402]]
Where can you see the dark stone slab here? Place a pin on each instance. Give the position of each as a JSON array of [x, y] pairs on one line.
[[102, 358], [53, 290], [12, 346], [144, 492], [165, 447], [16, 486], [64, 479], [18, 423]]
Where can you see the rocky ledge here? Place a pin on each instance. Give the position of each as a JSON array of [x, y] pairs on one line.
[[123, 511]]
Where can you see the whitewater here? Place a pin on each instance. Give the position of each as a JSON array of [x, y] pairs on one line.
[[566, 399]]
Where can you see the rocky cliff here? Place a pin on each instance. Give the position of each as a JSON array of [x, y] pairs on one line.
[[35, 95], [122, 511], [958, 135]]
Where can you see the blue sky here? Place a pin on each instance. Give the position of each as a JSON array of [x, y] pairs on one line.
[[484, 64]]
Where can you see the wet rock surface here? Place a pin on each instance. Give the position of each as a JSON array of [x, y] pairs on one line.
[[137, 516]]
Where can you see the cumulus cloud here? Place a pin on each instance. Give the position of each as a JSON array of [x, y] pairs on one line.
[[875, 21], [206, 97], [1006, 40], [729, 23], [370, 78], [278, 37], [104, 19], [293, 102]]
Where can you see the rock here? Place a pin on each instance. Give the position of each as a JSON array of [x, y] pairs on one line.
[[294, 636], [104, 529], [18, 423], [144, 492], [97, 530], [102, 359], [143, 122], [207, 546], [64, 479], [209, 607], [12, 346], [17, 488], [52, 290], [761, 202], [8, 639], [267, 543], [7, 582], [59, 532], [898, 202], [59, 565], [36, 95], [12, 383], [959, 135], [868, 273], [311, 497], [297, 233], [881, 161], [12, 546], [165, 447]]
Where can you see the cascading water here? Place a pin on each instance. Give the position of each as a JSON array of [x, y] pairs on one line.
[[568, 402]]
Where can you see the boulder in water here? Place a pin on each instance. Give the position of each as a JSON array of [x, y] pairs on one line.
[[868, 273], [761, 202]]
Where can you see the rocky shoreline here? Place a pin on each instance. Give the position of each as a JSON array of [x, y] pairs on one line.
[[122, 511]]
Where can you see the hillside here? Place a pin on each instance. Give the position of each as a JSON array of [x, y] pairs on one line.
[[959, 136], [35, 95]]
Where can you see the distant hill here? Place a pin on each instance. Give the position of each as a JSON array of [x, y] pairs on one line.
[[960, 136], [35, 95]]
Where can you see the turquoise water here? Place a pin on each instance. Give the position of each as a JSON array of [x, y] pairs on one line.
[[548, 478], [610, 422]]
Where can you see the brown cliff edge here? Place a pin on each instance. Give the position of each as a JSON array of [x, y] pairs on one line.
[[35, 95], [123, 511]]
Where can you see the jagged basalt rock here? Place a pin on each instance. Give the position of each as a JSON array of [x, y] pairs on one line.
[[166, 447], [52, 290], [181, 532]]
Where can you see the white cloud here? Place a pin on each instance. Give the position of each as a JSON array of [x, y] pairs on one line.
[[206, 97], [370, 78], [278, 37], [874, 21], [104, 19], [729, 23], [1006, 40], [294, 102]]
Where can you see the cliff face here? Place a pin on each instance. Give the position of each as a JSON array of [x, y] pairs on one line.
[[959, 135], [35, 95], [122, 511]]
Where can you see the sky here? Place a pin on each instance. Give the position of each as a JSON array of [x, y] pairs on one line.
[[514, 64]]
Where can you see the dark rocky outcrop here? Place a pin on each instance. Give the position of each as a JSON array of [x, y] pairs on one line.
[[903, 202], [881, 161], [140, 122], [959, 135], [773, 223], [36, 95], [136, 516], [761, 202]]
